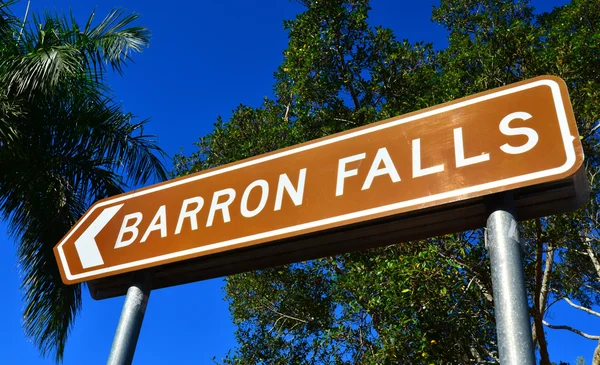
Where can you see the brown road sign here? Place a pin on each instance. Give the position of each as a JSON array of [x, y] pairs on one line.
[[299, 202]]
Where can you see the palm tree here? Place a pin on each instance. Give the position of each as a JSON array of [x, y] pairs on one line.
[[64, 143]]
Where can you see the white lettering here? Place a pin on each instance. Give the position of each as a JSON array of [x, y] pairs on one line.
[[295, 194], [459, 151], [126, 228], [342, 173], [159, 222], [532, 136], [264, 187], [184, 213], [416, 161], [223, 207], [388, 169]]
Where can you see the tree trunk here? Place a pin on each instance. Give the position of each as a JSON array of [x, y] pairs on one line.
[[596, 358], [541, 337], [541, 292]]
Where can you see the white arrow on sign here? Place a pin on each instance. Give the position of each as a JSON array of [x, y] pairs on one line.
[[86, 245]]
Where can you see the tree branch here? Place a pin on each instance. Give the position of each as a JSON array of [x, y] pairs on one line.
[[473, 271], [286, 118], [592, 256], [574, 330], [587, 310], [539, 295], [546, 278], [344, 120], [484, 290], [284, 315], [591, 132], [24, 21]]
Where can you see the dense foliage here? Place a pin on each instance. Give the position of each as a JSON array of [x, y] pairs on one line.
[[416, 302], [64, 143]]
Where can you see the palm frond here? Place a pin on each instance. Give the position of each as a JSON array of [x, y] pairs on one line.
[[54, 49], [51, 306], [67, 157], [40, 71], [9, 111], [102, 128], [114, 41], [40, 209], [64, 143]]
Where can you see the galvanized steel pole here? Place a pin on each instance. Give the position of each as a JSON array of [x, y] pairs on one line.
[[515, 343], [130, 323]]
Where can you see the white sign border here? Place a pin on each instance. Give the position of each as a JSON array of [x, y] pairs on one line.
[[563, 124]]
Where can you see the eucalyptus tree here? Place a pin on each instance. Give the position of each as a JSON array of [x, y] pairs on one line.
[[64, 143], [498, 42]]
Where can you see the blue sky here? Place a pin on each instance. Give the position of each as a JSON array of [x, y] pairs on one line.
[[206, 57]]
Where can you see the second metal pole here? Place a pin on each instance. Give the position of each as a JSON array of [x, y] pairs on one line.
[[515, 343], [130, 323]]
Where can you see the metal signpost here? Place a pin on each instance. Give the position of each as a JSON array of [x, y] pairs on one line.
[[515, 342], [130, 323], [440, 170]]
